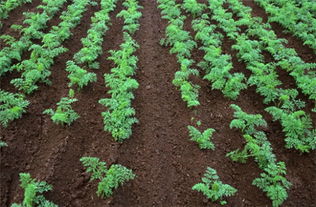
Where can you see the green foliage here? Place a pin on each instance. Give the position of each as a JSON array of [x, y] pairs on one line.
[[273, 182], [9, 5], [203, 139], [36, 23], [33, 191], [110, 179], [131, 16], [12, 106], [246, 122], [181, 44], [213, 188], [79, 76], [119, 117], [92, 44], [193, 7], [64, 113], [37, 68], [3, 144], [296, 20], [297, 127]]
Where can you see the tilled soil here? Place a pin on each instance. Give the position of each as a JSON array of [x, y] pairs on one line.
[[166, 162]]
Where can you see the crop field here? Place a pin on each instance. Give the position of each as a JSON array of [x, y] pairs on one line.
[[163, 103]]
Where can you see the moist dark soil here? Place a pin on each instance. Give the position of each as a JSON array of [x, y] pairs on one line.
[[166, 162]]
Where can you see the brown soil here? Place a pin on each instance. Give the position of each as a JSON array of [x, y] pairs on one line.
[[166, 162]]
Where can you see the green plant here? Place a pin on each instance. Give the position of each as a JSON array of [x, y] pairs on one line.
[[3, 144], [12, 106], [246, 122], [213, 188], [79, 76], [273, 182], [110, 179], [33, 191], [203, 139], [64, 113], [297, 127]]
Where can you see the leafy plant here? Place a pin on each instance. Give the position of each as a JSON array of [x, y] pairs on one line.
[[64, 113], [297, 127], [273, 182], [12, 106], [79, 76], [246, 122], [213, 188], [203, 139], [110, 179], [33, 191]]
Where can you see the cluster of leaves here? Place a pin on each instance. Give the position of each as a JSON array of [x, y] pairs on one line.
[[119, 117], [296, 20], [213, 188], [36, 23], [286, 58], [37, 68], [33, 191], [181, 44], [79, 76], [264, 75], [92, 44], [272, 181], [203, 139], [297, 127], [216, 64], [64, 113], [9, 5], [12, 106], [110, 179]]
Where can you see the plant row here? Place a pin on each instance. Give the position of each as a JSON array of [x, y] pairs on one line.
[[79, 76], [217, 66], [120, 115], [300, 135], [37, 67], [298, 21], [181, 44], [36, 24], [272, 181]]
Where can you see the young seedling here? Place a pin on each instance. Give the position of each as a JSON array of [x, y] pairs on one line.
[[33, 191], [213, 188], [203, 139], [110, 179], [64, 113]]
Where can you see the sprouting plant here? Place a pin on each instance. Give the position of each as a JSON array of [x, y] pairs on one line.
[[33, 191], [64, 113], [12, 106], [110, 179], [273, 182], [213, 188], [3, 144], [203, 139]]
